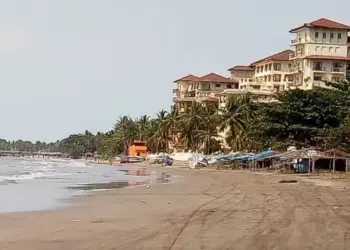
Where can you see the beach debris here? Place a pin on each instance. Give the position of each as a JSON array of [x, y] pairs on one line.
[[97, 221], [143, 201], [288, 181], [75, 220], [147, 187], [213, 210]]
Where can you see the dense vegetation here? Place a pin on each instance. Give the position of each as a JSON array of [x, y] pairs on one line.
[[318, 118]]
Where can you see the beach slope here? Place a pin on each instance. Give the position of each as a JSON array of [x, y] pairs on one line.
[[203, 210]]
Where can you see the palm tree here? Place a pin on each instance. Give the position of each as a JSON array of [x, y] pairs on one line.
[[159, 133], [206, 135], [233, 120], [142, 124], [189, 122], [125, 132]]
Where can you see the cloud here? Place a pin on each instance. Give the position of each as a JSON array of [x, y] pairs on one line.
[[16, 38]]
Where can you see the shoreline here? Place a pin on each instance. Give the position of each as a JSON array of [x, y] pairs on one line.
[[205, 209]]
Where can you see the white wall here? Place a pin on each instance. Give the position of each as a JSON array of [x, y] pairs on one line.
[[326, 49], [182, 86], [327, 40]]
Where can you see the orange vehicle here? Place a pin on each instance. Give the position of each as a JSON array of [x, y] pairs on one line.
[[139, 148]]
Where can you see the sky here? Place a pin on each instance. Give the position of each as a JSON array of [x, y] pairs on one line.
[[67, 66]]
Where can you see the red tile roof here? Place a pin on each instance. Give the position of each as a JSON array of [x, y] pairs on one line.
[[187, 78], [281, 56], [334, 58], [323, 23], [241, 67], [212, 77], [211, 99]]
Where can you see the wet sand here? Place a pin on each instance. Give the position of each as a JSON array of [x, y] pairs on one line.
[[205, 209]]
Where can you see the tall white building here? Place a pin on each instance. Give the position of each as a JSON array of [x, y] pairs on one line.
[[321, 53]]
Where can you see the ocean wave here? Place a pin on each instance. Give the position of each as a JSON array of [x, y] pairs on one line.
[[22, 177], [77, 164], [7, 182]]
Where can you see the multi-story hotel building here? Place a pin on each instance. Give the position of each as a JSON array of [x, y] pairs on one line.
[[272, 72], [321, 53], [204, 90], [262, 79], [244, 75]]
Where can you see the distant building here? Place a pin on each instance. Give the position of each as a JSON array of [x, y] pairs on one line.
[[139, 148], [272, 72], [204, 90], [244, 75]]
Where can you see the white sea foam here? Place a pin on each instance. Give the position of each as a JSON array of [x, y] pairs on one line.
[[22, 177]]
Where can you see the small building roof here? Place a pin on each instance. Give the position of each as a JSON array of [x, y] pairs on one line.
[[212, 77], [325, 57], [281, 56], [322, 23], [187, 78], [241, 68], [211, 99]]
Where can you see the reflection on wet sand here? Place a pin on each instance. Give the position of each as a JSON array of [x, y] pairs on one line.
[[109, 185], [164, 178], [136, 172]]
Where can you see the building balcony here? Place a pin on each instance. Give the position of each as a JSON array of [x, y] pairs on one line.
[[319, 84], [189, 95], [185, 99], [295, 56], [295, 70], [319, 69], [295, 41], [338, 70]]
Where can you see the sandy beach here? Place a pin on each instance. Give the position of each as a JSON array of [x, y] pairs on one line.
[[203, 209]]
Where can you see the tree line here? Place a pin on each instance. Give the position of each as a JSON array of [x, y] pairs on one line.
[[303, 118]]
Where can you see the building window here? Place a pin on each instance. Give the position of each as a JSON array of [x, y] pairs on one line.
[[277, 66], [316, 35], [339, 35], [324, 35], [229, 86], [317, 48], [217, 85], [277, 78], [318, 78], [336, 79], [318, 66], [330, 49], [332, 35], [336, 50]]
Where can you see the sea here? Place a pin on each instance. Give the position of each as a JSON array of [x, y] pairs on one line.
[[31, 184]]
